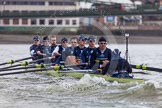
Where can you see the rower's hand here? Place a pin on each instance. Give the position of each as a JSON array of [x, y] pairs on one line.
[[57, 54], [52, 57], [104, 63], [44, 54]]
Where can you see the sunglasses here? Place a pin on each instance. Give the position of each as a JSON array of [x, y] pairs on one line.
[[102, 43], [73, 42], [64, 42], [91, 41]]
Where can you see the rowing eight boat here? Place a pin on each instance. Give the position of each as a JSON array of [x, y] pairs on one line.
[[80, 75]]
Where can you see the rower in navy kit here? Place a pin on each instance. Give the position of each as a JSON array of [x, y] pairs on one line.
[[59, 52], [100, 56], [79, 49], [87, 52], [33, 48], [44, 50]]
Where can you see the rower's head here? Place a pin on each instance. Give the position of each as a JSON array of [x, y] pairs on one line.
[[36, 39], [81, 40], [74, 42], [64, 42], [91, 41], [53, 40], [102, 43], [46, 41]]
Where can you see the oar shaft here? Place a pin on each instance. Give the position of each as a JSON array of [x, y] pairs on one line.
[[56, 68], [35, 61], [13, 61], [20, 72], [23, 59], [3, 64], [9, 67], [28, 67], [144, 67], [25, 63]]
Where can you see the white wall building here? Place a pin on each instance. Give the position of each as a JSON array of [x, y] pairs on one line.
[[39, 5]]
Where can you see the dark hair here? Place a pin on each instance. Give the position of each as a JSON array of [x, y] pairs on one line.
[[102, 39], [45, 38], [36, 37], [74, 38], [64, 39], [82, 37], [91, 38], [53, 36]]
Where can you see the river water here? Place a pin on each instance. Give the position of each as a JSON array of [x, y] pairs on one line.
[[32, 90]]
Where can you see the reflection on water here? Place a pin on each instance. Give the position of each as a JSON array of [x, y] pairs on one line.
[[39, 91]]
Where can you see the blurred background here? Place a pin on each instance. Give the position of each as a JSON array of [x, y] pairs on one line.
[[21, 19]]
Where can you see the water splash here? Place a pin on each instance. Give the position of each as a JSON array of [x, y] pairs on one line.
[[148, 88]]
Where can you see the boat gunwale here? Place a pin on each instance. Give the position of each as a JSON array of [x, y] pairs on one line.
[[78, 75]]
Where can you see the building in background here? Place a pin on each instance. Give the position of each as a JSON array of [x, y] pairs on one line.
[[39, 5]]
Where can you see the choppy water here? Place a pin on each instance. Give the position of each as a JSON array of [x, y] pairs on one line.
[[39, 91]]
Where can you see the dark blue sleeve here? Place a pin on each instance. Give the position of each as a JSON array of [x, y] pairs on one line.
[[83, 56], [92, 58], [33, 50], [109, 54]]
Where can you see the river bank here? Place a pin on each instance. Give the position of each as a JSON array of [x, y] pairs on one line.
[[27, 39]]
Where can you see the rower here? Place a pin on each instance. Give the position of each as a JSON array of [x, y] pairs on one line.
[[44, 50], [34, 46], [70, 49], [118, 67], [53, 41], [59, 52], [70, 58], [85, 57], [100, 56], [79, 49]]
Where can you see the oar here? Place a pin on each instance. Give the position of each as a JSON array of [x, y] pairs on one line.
[[25, 63], [55, 68], [28, 67], [38, 66], [14, 61], [141, 73], [27, 71], [144, 67]]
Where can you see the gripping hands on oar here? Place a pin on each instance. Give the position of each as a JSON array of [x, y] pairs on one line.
[[14, 61], [144, 67]]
